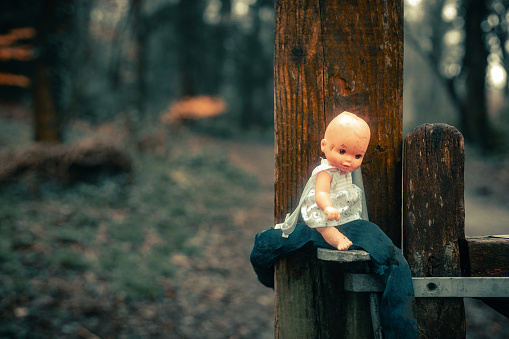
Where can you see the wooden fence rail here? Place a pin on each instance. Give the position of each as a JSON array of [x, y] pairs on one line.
[[487, 256]]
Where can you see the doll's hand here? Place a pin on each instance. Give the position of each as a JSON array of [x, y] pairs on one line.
[[332, 213]]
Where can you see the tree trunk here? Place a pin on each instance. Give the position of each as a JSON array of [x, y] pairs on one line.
[[250, 74], [50, 78], [219, 55], [140, 46], [46, 117], [188, 27], [474, 119]]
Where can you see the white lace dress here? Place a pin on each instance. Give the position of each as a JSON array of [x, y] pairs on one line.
[[345, 196]]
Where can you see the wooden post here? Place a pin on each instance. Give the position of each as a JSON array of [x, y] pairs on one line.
[[434, 221], [332, 56]]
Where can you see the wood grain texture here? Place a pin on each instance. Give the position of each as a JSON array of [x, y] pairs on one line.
[[299, 104], [332, 56], [433, 221], [487, 257], [316, 305], [329, 57]]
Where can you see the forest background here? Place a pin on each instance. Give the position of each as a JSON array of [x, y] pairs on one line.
[[136, 157]]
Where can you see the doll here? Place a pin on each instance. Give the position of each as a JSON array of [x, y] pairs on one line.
[[331, 207], [330, 198]]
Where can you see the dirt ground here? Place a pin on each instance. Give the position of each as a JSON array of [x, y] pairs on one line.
[[222, 297], [226, 301]]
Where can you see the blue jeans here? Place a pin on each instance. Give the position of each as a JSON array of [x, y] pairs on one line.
[[397, 307]]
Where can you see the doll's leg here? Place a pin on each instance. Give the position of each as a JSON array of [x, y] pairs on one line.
[[335, 238]]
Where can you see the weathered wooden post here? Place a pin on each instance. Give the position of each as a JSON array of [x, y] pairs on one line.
[[434, 221], [332, 56]]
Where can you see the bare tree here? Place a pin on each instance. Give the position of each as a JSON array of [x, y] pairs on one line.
[[474, 114], [140, 46], [467, 88], [189, 27], [50, 74]]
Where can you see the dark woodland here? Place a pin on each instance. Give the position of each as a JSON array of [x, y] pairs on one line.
[[137, 157]]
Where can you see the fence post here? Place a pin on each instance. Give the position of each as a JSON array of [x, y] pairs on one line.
[[332, 56], [434, 221]]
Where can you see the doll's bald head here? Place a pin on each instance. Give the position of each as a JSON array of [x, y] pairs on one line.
[[346, 141], [348, 121]]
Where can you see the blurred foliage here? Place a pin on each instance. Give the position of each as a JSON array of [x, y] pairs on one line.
[[119, 236], [456, 53], [134, 58], [120, 232]]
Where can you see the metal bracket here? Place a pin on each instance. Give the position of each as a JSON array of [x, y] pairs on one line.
[[436, 287]]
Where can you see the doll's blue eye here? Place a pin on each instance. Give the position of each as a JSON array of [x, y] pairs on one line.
[[342, 151], [358, 156]]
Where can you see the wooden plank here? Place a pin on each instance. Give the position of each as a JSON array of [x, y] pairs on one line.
[[433, 221], [342, 256], [487, 257], [332, 56]]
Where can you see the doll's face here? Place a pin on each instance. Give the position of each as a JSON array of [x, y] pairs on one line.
[[345, 146]]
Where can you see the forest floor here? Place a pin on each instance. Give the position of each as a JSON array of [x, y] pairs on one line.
[[211, 291]]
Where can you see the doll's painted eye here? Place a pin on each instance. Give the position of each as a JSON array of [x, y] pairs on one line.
[[342, 151], [358, 156]]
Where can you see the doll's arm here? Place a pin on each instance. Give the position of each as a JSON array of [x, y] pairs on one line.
[[322, 197], [330, 234]]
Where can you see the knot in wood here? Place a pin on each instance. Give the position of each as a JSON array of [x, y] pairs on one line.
[[434, 261], [379, 149], [341, 86], [297, 51]]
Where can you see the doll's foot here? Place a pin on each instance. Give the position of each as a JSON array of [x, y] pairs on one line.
[[334, 238], [344, 244]]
